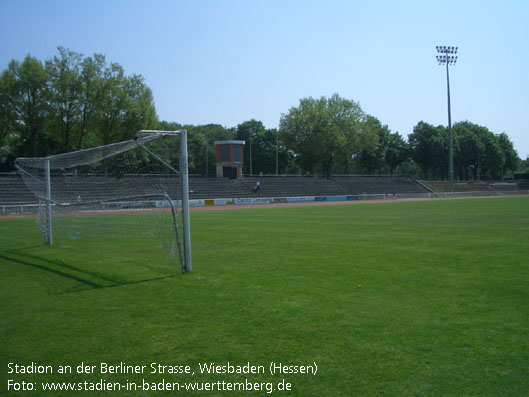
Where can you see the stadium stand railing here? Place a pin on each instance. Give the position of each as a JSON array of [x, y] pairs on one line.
[[380, 184], [476, 186]]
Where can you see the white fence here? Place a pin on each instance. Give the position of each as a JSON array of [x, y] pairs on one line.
[[21, 209]]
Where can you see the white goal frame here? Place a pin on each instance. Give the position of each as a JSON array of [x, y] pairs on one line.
[[46, 194]]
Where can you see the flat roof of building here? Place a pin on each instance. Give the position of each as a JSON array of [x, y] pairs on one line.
[[230, 142]]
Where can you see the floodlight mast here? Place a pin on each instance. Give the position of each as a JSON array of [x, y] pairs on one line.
[[448, 56]]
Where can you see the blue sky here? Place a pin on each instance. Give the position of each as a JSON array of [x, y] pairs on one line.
[[228, 61]]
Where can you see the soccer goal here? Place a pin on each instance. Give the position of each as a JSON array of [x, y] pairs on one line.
[[132, 188]]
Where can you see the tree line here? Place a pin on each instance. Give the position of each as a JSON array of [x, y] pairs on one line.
[[71, 102]]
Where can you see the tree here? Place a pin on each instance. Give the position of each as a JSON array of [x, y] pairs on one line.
[[493, 158], [397, 152], [483, 152], [470, 149], [140, 112], [372, 157], [64, 97], [268, 147], [350, 119], [115, 107], [524, 165], [299, 132], [248, 131], [8, 118], [261, 148], [69, 103], [385, 151], [90, 81], [86, 96], [92, 103], [512, 161], [429, 149], [27, 104], [204, 153], [8, 121], [323, 131]]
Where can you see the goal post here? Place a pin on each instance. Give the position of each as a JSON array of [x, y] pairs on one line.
[[138, 187], [47, 181], [185, 199]]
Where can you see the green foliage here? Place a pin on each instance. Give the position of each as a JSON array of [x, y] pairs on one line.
[[387, 151], [397, 152], [397, 299], [323, 132], [371, 157], [521, 175], [27, 104], [260, 148], [336, 135], [69, 103], [429, 149], [524, 165], [512, 161], [201, 144], [249, 131], [477, 151], [470, 146], [64, 91], [493, 159]]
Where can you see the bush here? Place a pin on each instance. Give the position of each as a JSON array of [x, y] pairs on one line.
[[521, 175]]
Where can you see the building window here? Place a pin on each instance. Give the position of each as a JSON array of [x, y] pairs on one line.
[[225, 153]]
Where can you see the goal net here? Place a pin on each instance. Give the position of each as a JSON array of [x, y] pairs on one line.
[[132, 188]]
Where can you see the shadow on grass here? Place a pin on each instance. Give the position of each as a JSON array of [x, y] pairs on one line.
[[85, 279]]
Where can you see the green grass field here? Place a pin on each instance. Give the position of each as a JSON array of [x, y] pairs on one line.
[[406, 298]]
